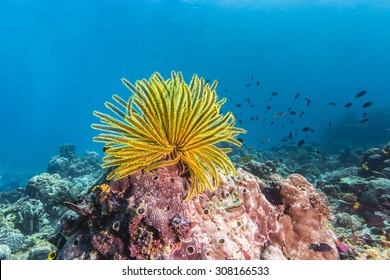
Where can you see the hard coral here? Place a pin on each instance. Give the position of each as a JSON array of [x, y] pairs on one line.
[[166, 122]]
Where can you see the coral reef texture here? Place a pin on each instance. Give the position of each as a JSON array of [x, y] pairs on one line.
[[146, 216]]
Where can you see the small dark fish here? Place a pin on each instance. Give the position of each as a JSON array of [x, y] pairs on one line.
[[296, 96], [312, 130], [305, 129], [257, 83], [230, 99], [252, 78], [239, 121], [300, 143], [332, 103], [364, 120], [238, 105], [281, 114], [284, 140], [252, 118], [240, 140], [329, 123], [308, 101], [293, 112], [291, 122], [207, 81], [290, 136], [268, 107], [263, 121], [320, 247], [272, 122], [367, 104], [360, 94], [318, 151], [247, 100], [225, 90], [365, 114], [349, 104], [252, 106], [274, 94], [248, 85], [270, 99]]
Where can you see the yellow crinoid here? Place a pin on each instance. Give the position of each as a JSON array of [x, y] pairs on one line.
[[165, 122]]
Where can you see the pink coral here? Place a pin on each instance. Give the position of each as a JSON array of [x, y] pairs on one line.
[[238, 220]]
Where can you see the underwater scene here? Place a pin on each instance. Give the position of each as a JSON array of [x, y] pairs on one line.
[[195, 130]]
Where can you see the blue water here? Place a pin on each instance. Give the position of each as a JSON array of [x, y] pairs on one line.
[[60, 60]]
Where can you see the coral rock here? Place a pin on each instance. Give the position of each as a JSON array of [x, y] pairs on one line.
[[13, 238], [39, 253], [145, 216], [5, 252], [305, 222], [50, 189]]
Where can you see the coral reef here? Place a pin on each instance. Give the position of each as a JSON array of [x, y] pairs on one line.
[[377, 194], [9, 236], [261, 170], [146, 216], [347, 221], [39, 253], [5, 252], [26, 215], [360, 197], [68, 176], [68, 151], [67, 164], [8, 197], [58, 165], [376, 162], [336, 175], [50, 189]]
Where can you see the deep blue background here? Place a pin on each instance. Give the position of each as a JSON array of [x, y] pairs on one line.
[[60, 60]]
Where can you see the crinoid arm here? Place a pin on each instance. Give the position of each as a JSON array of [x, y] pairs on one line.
[[165, 122]]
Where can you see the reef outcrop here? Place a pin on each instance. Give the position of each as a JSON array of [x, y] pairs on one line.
[[68, 164], [146, 216], [376, 162]]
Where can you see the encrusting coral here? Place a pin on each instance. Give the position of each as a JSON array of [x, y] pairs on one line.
[[144, 216], [168, 122]]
